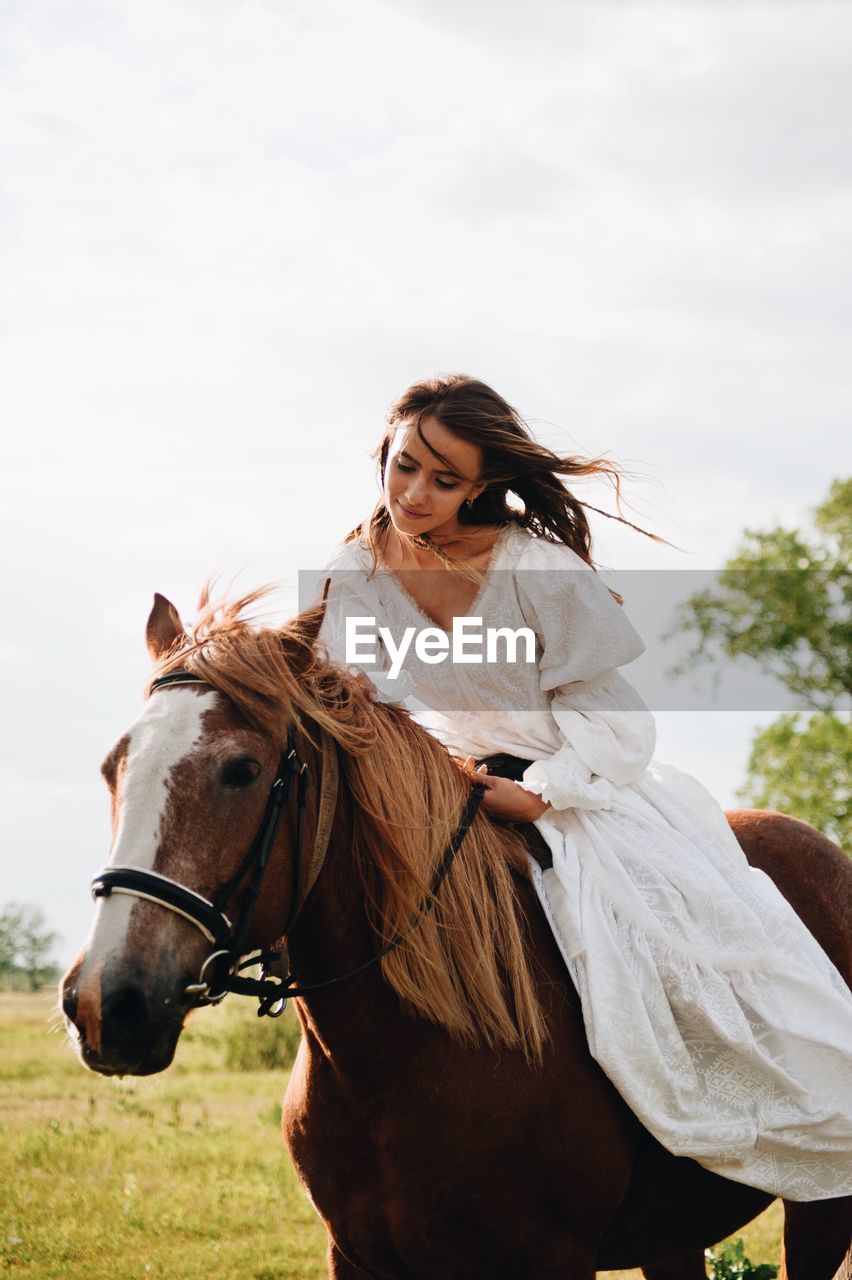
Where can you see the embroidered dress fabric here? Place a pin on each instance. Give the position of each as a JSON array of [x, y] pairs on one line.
[[707, 1002]]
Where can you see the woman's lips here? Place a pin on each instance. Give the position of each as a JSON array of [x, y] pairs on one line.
[[412, 515]]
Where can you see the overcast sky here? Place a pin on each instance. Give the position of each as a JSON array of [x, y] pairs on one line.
[[233, 231]]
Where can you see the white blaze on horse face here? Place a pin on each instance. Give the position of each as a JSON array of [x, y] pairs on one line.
[[167, 732]]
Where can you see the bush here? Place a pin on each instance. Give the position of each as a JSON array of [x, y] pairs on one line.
[[251, 1043], [728, 1262]]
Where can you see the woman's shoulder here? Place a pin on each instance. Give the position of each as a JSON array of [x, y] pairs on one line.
[[353, 554], [575, 613], [532, 551], [547, 573]]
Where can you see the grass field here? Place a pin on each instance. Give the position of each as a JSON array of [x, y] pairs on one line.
[[180, 1176]]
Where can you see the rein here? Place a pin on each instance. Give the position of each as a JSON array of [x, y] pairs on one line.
[[229, 955]]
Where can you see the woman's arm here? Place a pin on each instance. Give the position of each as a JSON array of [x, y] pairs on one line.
[[608, 739], [607, 732], [504, 799]]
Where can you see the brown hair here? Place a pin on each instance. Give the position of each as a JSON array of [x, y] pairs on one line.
[[512, 461]]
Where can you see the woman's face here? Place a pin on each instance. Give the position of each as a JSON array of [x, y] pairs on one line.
[[423, 493]]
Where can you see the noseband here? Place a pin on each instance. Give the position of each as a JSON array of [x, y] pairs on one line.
[[229, 955]]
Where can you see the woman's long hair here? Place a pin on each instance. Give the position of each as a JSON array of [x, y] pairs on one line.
[[512, 462]]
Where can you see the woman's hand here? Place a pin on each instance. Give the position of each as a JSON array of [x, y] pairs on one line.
[[503, 798]]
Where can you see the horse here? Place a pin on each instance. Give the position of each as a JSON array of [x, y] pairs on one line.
[[444, 1113]]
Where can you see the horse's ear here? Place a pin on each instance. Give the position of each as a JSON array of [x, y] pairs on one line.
[[164, 627], [312, 618], [298, 642]]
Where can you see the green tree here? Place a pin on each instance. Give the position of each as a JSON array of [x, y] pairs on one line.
[[783, 602], [26, 942], [10, 931]]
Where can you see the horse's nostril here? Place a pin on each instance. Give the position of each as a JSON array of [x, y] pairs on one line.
[[69, 1004], [125, 1012]]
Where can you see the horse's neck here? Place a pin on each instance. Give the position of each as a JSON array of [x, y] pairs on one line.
[[349, 1019]]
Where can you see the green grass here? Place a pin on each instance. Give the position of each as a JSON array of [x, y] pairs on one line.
[[182, 1175], [179, 1175]]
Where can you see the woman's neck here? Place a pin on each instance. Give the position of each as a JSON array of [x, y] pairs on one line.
[[467, 544]]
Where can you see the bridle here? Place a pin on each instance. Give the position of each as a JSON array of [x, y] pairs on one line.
[[221, 971]]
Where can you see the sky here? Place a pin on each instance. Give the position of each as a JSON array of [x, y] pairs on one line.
[[232, 232]]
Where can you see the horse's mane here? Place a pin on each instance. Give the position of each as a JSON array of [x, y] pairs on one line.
[[467, 965]]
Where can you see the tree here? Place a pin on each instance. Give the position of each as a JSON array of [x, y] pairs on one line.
[[26, 942], [10, 930], [783, 602]]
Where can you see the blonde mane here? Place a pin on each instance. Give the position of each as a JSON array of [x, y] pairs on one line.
[[468, 963]]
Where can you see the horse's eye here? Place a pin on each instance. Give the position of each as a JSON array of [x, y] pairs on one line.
[[240, 773]]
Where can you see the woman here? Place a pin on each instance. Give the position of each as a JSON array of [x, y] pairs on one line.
[[706, 1001]]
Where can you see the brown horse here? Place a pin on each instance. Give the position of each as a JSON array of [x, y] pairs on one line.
[[444, 1112]]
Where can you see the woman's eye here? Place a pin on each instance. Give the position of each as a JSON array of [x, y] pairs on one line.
[[240, 773], [443, 484]]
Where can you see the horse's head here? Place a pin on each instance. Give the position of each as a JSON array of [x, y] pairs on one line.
[[208, 788], [202, 797]]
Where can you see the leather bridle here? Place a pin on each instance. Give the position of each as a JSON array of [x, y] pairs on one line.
[[221, 971]]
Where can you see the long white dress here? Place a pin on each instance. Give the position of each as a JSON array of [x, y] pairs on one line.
[[707, 1002]]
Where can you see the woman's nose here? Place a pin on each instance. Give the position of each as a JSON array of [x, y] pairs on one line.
[[415, 494]]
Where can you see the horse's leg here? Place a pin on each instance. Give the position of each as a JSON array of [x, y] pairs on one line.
[[817, 1238], [688, 1266], [340, 1268]]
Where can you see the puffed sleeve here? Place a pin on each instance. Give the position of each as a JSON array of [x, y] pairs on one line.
[[608, 734], [351, 595]]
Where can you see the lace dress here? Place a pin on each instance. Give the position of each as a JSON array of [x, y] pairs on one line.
[[706, 1001]]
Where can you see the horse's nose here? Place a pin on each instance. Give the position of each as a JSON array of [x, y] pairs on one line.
[[126, 1014], [126, 1023]]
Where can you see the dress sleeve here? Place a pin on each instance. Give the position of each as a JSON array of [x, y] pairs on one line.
[[608, 734], [350, 594]]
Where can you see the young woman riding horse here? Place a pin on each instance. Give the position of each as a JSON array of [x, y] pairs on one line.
[[708, 1004], [460, 1107]]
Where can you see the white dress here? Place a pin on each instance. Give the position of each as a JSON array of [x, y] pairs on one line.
[[706, 1001]]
